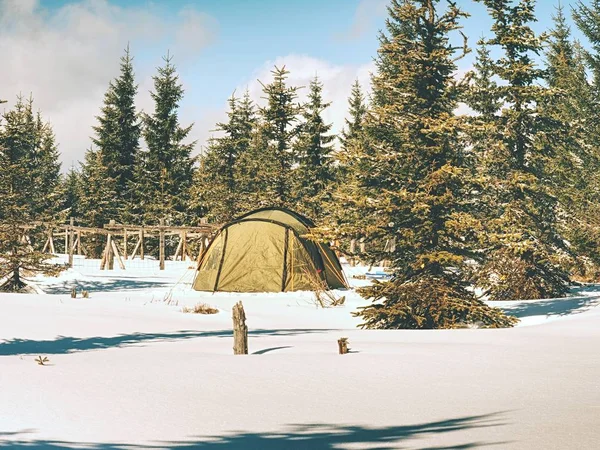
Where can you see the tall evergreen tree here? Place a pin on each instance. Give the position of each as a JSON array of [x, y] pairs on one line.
[[587, 17], [412, 183], [167, 166], [578, 158], [98, 191], [118, 133], [314, 149], [45, 171], [279, 128], [71, 193], [218, 185], [521, 238], [19, 203], [357, 111]]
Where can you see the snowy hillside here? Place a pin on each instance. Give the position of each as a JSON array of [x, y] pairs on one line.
[[128, 370]]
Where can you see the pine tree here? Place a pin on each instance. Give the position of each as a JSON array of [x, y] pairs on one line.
[[578, 158], [19, 139], [587, 18], [357, 112], [521, 239], [98, 191], [71, 193], [167, 166], [279, 130], [45, 172], [412, 183], [218, 185], [118, 133], [314, 148]]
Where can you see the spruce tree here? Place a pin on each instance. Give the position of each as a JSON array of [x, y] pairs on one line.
[[522, 240], [19, 202], [412, 184], [279, 128], [98, 191], [587, 18], [357, 111], [71, 193], [45, 172], [218, 184], [167, 166], [118, 132], [577, 158], [314, 148]]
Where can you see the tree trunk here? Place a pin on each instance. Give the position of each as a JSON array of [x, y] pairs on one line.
[[240, 330]]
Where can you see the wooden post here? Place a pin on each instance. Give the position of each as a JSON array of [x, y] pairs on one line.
[[142, 244], [79, 242], [125, 243], [161, 250], [240, 330], [66, 241], [52, 248], [179, 246], [109, 257], [116, 253], [184, 249], [71, 241], [135, 249], [343, 345]]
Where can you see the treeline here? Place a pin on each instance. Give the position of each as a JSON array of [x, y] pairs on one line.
[[501, 202]]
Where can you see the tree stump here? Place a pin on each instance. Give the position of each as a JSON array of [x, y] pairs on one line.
[[73, 293], [343, 345], [240, 330]]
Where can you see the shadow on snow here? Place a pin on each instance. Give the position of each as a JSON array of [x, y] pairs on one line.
[[105, 285], [296, 437], [67, 344], [552, 307]]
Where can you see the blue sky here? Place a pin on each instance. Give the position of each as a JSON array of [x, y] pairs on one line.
[[218, 46]]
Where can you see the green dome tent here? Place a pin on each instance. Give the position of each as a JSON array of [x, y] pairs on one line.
[[266, 251]]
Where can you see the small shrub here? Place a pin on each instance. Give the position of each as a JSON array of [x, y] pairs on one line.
[[200, 308], [323, 296]]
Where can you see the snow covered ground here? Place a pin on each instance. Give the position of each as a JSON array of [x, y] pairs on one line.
[[128, 370]]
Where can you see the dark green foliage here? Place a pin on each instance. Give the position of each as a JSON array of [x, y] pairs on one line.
[[357, 112], [118, 132], [519, 206], [576, 161], [219, 183], [44, 170], [98, 192], [25, 147], [71, 187], [273, 147], [164, 178], [314, 148], [412, 184], [446, 307]]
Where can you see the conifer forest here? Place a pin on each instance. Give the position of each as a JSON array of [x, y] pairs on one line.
[[475, 187]]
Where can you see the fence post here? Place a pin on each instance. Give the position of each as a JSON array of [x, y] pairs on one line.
[[71, 241], [162, 244], [240, 330]]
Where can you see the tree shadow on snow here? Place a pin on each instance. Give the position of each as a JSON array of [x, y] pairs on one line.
[[552, 307], [105, 285], [297, 437], [68, 344]]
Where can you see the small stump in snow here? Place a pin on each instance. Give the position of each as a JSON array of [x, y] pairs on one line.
[[343, 345], [240, 330]]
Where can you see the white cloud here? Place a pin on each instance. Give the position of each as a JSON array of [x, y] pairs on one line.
[[365, 16], [67, 57], [337, 82]]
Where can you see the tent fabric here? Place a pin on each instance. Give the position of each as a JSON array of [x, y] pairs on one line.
[[267, 251]]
